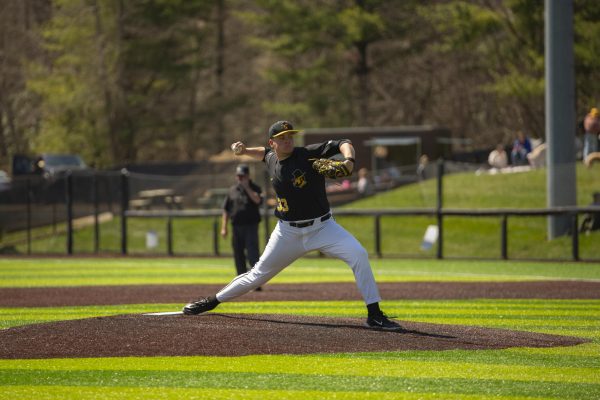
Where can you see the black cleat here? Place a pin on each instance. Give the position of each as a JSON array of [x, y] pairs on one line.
[[382, 322], [200, 306]]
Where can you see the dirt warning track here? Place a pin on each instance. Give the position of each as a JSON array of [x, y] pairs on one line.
[[138, 294]]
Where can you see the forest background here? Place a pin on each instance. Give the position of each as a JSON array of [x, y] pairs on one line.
[[129, 81]]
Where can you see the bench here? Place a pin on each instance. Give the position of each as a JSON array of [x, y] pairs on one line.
[[213, 198], [157, 197], [174, 202], [139, 204]]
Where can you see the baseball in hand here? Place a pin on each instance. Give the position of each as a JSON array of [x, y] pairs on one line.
[[237, 148]]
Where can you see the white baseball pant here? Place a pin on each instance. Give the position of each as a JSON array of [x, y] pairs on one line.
[[288, 243]]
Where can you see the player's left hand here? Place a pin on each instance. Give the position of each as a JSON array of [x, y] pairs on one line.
[[350, 165], [331, 168]]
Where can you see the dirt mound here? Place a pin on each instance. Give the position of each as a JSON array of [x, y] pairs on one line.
[[139, 294], [216, 334]]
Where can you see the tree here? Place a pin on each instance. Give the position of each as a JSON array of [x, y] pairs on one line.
[[117, 74], [19, 117], [121, 81], [587, 48], [501, 44], [319, 57]]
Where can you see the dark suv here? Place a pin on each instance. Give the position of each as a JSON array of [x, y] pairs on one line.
[[47, 165]]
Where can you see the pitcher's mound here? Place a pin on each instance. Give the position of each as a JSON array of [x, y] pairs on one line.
[[242, 334]]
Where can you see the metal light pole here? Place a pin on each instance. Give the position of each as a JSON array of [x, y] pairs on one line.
[[560, 112]]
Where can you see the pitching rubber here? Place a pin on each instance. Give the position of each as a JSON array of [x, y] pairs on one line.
[[165, 313]]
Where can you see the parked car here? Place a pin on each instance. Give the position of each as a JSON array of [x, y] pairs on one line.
[[47, 165], [4, 181]]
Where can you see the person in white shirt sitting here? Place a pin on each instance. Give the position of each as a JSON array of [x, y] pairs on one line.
[[498, 157]]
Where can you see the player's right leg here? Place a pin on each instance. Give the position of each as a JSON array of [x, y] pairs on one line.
[[283, 248], [251, 237]]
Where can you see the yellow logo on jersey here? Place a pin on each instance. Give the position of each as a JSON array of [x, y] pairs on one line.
[[299, 179]]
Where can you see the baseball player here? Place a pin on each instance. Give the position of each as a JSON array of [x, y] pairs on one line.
[[305, 221]]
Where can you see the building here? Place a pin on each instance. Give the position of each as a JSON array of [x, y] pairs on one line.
[[395, 145]]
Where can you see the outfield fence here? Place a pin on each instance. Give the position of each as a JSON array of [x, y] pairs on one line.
[[63, 205], [503, 214]]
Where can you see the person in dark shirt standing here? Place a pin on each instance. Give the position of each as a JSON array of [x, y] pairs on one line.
[[241, 207], [305, 222]]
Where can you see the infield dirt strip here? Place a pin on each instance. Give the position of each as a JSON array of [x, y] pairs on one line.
[[216, 334]]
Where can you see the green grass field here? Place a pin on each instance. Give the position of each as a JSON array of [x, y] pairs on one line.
[[518, 373]]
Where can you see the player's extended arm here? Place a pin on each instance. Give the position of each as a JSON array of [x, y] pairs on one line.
[[239, 148], [347, 151]]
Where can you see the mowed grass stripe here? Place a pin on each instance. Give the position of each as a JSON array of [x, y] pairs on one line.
[[585, 356], [503, 322], [94, 272], [202, 277], [287, 381], [119, 393], [401, 367], [405, 308], [27, 316], [555, 314], [582, 356], [519, 307]]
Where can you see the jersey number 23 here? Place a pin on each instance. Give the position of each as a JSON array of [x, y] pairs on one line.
[[282, 205]]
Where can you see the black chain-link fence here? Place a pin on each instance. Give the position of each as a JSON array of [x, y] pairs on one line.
[[38, 209]]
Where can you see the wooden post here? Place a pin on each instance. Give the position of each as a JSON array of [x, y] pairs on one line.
[[378, 235], [575, 238], [504, 237], [170, 236], [440, 218], [69, 205], [124, 207]]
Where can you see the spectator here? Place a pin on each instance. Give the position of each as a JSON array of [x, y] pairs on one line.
[[364, 185], [241, 206], [592, 158], [498, 157], [591, 222], [591, 127], [422, 168], [521, 147], [537, 157]]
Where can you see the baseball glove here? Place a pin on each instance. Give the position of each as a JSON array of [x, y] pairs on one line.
[[331, 168]]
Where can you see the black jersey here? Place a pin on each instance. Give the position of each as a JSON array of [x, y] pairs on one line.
[[241, 209], [300, 189]]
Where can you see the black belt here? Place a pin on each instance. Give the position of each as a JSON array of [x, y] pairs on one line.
[[309, 223]]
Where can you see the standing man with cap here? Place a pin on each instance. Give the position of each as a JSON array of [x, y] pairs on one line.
[[241, 207], [305, 221]]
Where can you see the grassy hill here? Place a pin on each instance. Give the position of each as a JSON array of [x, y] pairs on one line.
[[471, 191], [477, 237]]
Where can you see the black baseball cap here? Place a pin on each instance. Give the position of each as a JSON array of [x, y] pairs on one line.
[[242, 169], [280, 128]]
